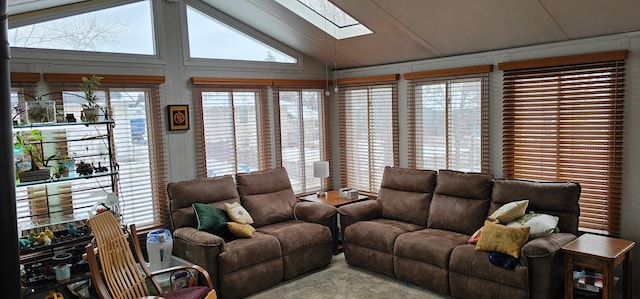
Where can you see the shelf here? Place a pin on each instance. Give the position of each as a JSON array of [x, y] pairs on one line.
[[37, 250], [71, 177], [57, 126]]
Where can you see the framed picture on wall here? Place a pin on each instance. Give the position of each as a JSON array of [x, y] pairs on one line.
[[178, 117]]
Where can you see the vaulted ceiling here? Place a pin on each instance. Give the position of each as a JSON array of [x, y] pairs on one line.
[[408, 30]]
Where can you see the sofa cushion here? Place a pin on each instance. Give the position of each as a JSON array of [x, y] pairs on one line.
[[296, 235], [267, 195], [405, 194], [378, 234], [432, 246], [238, 213], [210, 218], [246, 252], [554, 198], [540, 224], [510, 211], [182, 195], [471, 263], [460, 202], [501, 238]]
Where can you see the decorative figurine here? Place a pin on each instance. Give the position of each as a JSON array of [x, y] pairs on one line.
[[73, 230], [71, 118]]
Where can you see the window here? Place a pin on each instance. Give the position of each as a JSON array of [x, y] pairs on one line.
[[235, 128], [327, 17], [137, 145], [210, 38], [563, 122], [448, 119], [303, 126], [121, 29], [368, 130]]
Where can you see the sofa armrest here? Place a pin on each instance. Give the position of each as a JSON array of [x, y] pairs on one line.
[[359, 211], [200, 248], [544, 257], [320, 213], [544, 246], [314, 212]]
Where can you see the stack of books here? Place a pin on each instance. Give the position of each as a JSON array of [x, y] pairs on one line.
[[588, 281], [587, 284]]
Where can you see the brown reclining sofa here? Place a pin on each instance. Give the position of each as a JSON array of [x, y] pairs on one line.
[[419, 227], [291, 238]]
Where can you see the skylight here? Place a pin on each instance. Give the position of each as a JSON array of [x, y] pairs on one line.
[[326, 16]]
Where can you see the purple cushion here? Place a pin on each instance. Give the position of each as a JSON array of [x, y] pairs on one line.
[[197, 292]]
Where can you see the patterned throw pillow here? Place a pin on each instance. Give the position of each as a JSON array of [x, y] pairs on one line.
[[540, 224], [210, 218], [501, 238], [510, 211], [238, 213], [476, 236]]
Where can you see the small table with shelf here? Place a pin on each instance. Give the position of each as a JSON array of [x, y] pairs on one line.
[[602, 254], [333, 198]]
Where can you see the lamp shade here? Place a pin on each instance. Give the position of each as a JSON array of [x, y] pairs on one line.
[[321, 169]]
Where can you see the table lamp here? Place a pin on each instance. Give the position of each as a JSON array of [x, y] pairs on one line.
[[321, 171]]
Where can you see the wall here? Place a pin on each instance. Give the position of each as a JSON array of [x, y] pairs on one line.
[[181, 145]]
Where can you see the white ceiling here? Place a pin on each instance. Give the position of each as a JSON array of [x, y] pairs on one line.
[[408, 30]]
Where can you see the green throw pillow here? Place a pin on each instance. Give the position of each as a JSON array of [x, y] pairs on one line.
[[210, 218]]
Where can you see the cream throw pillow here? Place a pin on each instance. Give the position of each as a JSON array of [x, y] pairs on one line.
[[510, 211], [238, 213], [540, 224]]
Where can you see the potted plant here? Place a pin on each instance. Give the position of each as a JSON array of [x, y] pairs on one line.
[[35, 173], [38, 110], [63, 166], [90, 110]]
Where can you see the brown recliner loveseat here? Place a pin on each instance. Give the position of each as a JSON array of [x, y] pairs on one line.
[[291, 238], [419, 227]]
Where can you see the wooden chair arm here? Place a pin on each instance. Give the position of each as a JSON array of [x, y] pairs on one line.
[[201, 271]]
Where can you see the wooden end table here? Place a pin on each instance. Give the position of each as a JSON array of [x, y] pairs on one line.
[[600, 253], [333, 198]]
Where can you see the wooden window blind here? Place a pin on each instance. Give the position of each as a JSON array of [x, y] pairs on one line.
[[234, 126], [448, 119], [563, 121], [133, 103], [302, 120], [368, 130]]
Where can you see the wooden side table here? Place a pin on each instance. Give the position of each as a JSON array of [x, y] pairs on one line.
[[333, 198], [602, 254]]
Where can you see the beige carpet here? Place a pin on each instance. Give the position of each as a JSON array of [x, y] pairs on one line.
[[340, 280]]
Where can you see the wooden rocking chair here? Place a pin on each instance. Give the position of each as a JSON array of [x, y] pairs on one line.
[[116, 273]]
